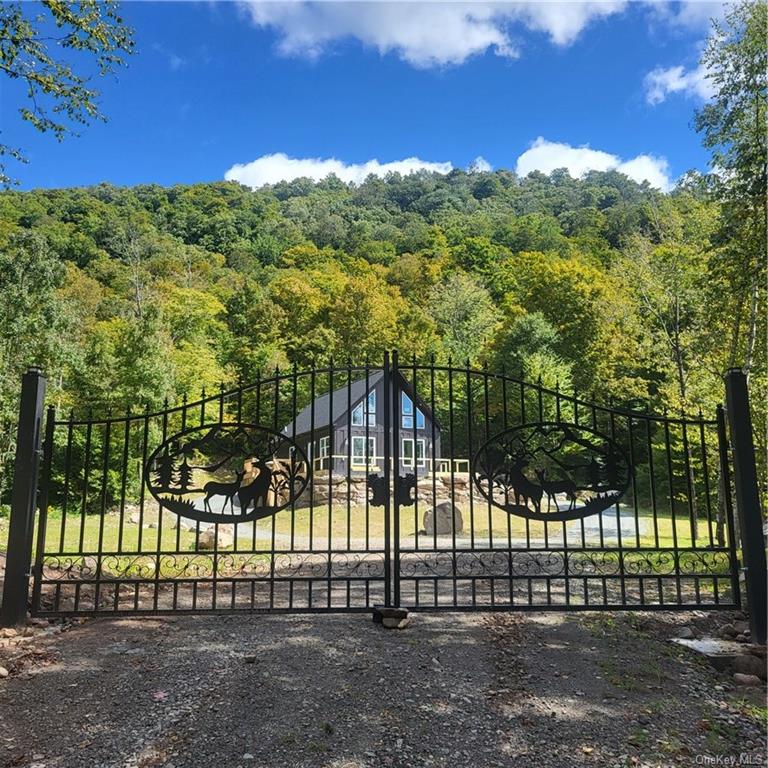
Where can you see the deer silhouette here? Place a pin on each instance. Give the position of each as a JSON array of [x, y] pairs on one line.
[[257, 490], [523, 487], [553, 487], [227, 490]]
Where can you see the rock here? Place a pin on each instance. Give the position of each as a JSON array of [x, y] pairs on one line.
[[134, 518], [749, 665], [728, 630], [742, 639], [395, 623], [9, 632], [381, 612], [741, 626], [209, 540], [3, 672], [686, 633], [442, 519], [741, 679], [184, 524]]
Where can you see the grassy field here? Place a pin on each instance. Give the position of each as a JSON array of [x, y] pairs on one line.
[[351, 527]]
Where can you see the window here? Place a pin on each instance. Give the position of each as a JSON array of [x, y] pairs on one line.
[[358, 450], [407, 452], [406, 410], [322, 448], [370, 409]]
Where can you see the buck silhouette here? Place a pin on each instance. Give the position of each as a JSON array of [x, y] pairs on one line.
[[227, 490], [553, 487], [523, 487], [258, 489]]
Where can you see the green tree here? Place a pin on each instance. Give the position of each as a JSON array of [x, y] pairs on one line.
[[733, 126], [33, 327], [465, 315]]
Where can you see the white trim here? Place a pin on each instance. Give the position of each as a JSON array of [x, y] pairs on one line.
[[359, 459], [420, 459]]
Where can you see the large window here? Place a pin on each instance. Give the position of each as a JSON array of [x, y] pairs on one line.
[[407, 452], [358, 450], [358, 417], [322, 448], [406, 413]]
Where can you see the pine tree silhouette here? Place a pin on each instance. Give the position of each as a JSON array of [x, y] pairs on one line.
[[165, 471], [185, 475]]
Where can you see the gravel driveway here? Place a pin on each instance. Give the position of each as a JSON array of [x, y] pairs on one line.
[[337, 690]]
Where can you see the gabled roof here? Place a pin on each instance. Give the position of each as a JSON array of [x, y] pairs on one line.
[[345, 398]]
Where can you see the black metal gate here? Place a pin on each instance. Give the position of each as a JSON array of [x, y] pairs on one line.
[[343, 487]]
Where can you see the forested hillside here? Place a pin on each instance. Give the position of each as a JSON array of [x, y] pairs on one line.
[[127, 296]]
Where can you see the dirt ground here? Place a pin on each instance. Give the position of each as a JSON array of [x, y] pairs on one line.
[[337, 691]]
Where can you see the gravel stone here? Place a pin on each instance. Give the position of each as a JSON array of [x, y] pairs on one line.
[[335, 691]]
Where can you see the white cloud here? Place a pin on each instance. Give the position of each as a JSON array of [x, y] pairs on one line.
[[480, 165], [424, 34], [546, 156], [661, 82], [269, 169], [692, 15]]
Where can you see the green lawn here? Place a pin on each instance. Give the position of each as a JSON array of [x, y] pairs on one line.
[[360, 529]]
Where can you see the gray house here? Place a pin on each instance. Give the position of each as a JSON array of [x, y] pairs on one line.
[[349, 429]]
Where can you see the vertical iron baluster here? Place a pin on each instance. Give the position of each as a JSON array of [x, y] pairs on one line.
[[366, 422], [124, 478], [387, 391], [273, 518], [102, 507], [331, 449], [722, 440], [633, 479], [540, 408], [292, 455], [257, 420], [652, 482], [705, 471], [469, 453], [692, 511], [349, 454], [43, 499], [67, 475], [158, 549], [619, 535], [312, 458], [86, 479], [142, 470], [581, 521], [453, 479], [433, 464], [670, 477], [396, 462], [415, 463]]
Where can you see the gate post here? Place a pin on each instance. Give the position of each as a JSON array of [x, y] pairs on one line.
[[747, 500], [23, 499]]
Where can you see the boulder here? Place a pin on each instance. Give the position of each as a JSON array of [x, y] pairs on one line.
[[749, 665], [443, 519], [209, 540], [750, 680]]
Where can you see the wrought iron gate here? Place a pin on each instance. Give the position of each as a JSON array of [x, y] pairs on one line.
[[343, 487]]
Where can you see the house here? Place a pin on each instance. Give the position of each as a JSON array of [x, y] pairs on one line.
[[352, 415]]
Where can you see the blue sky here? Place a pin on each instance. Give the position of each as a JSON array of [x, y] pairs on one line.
[[260, 91]]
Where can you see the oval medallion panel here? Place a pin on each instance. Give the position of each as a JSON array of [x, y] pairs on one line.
[[551, 471], [227, 473]]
